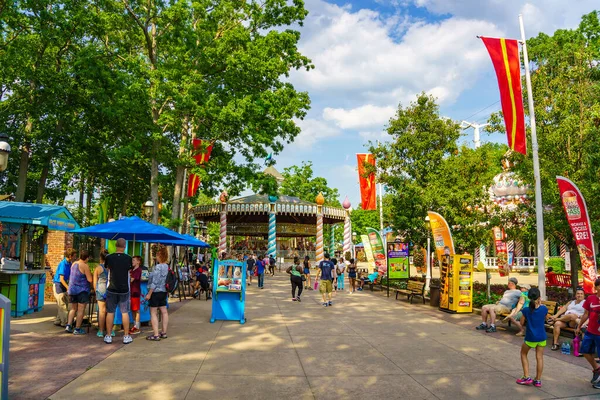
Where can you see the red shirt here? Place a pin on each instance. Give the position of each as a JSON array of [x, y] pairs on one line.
[[136, 275], [592, 304]]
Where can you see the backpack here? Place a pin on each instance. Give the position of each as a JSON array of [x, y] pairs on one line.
[[170, 281]]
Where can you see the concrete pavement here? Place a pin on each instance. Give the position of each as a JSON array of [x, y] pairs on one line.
[[365, 346]]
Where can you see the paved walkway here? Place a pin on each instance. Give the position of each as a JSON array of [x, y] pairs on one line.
[[365, 346]]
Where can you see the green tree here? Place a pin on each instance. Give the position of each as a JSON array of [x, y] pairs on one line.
[[300, 182]]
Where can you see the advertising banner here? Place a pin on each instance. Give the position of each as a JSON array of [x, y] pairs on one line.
[[398, 254], [501, 251], [368, 252], [579, 220], [378, 250], [442, 238]]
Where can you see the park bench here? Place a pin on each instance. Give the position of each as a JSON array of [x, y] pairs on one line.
[[413, 288], [559, 280], [551, 305]]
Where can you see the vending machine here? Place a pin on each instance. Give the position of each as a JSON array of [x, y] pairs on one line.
[[456, 283]]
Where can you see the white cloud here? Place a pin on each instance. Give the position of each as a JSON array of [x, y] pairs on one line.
[[358, 54], [539, 16], [360, 117], [374, 136], [313, 130]]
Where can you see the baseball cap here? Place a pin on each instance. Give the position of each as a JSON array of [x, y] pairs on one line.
[[525, 286], [513, 280]]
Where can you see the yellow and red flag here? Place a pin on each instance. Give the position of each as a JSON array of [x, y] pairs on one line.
[[201, 153], [505, 57], [202, 150], [368, 191]]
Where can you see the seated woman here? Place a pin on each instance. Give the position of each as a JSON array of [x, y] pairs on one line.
[[568, 316]]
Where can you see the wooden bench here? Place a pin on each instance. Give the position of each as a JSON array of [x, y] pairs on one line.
[[413, 288], [551, 305]]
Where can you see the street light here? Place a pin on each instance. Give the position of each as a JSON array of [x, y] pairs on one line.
[[428, 255], [148, 208], [4, 151]]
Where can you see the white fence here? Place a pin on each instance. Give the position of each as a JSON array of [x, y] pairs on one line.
[[520, 263]]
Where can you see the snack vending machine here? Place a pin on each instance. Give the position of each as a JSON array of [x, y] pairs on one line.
[[456, 283]]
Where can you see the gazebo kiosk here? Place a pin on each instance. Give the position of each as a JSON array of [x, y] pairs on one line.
[[278, 226], [23, 249]]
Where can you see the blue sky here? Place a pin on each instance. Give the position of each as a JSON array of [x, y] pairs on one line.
[[369, 56]]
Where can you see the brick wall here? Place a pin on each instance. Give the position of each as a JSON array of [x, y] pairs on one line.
[[58, 242]]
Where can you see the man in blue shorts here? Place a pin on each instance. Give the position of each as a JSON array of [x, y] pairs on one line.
[[591, 339], [325, 278]]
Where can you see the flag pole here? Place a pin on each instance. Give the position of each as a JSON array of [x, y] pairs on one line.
[[539, 207]]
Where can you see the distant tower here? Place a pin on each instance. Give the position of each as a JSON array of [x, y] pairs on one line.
[[476, 127]]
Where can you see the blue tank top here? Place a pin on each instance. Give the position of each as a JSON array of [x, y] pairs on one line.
[[102, 281], [78, 282]]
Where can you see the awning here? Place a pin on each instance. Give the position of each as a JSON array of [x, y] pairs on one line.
[[54, 217]]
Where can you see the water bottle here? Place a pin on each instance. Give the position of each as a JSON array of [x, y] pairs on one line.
[[563, 348], [576, 343], [567, 348]]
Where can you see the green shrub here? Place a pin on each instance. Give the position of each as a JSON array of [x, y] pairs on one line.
[[557, 264]]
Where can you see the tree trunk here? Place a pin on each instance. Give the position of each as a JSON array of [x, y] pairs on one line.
[[44, 177], [88, 200], [81, 194], [24, 162], [180, 174], [154, 182], [574, 256], [126, 200]]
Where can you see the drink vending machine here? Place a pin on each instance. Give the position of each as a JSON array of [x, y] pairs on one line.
[[456, 283]]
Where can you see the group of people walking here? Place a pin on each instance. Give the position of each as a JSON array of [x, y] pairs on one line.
[[115, 282]]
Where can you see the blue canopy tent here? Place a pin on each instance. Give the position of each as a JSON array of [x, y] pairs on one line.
[[130, 228]]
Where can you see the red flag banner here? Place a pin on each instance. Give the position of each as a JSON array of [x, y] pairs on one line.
[[505, 57], [193, 185], [202, 150], [579, 220], [501, 251], [368, 191]]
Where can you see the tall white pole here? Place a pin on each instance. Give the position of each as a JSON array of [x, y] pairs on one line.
[[539, 207], [428, 263], [381, 208]]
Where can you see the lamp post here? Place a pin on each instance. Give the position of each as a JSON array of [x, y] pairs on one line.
[[148, 211], [4, 151], [428, 255]]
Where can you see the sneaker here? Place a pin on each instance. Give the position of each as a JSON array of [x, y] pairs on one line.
[[481, 327], [79, 331], [596, 386], [134, 331], [596, 376], [298, 299], [330, 304], [107, 339], [324, 304], [525, 381], [100, 334], [69, 329], [491, 329], [537, 383], [127, 339], [294, 299], [112, 334]]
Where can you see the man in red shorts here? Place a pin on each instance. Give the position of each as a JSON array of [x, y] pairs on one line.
[[136, 292]]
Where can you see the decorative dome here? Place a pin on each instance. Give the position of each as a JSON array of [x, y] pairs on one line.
[[320, 200], [346, 204], [508, 189]]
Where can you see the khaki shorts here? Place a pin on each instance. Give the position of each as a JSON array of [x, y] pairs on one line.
[[500, 309], [325, 286]]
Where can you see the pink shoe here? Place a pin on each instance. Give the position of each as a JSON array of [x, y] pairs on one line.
[[525, 381], [537, 383]]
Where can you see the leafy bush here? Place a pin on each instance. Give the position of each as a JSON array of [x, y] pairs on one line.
[[557, 264], [480, 299]]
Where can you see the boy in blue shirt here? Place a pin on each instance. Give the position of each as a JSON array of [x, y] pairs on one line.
[[325, 275], [260, 270], [60, 287]]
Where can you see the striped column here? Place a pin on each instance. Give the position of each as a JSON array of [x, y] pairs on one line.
[[223, 230], [482, 255], [347, 234], [319, 255], [332, 241], [563, 250], [476, 256], [546, 249], [519, 249], [272, 232]]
